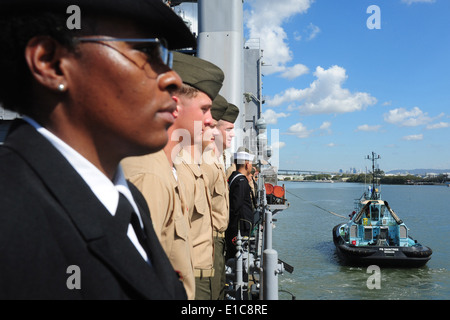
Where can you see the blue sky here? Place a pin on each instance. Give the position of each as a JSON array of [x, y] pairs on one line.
[[337, 90]]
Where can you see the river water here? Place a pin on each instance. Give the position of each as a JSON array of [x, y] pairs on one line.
[[303, 239]]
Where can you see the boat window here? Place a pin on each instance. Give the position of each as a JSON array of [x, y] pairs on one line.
[[353, 231], [368, 233], [403, 232], [374, 212]]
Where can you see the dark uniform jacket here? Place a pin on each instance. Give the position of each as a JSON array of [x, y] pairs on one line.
[[240, 209], [50, 221]]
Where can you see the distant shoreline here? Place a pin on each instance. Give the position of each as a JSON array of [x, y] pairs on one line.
[[400, 184]]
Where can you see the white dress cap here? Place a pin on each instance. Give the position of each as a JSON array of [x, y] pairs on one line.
[[241, 156]]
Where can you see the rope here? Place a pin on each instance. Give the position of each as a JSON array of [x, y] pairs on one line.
[[317, 206]]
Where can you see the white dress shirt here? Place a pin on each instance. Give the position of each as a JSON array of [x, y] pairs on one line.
[[107, 191]]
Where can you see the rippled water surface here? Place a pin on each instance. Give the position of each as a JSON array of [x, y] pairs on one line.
[[303, 239]]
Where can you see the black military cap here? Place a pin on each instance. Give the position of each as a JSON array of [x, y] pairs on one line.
[[219, 106], [231, 114], [153, 15], [199, 73]]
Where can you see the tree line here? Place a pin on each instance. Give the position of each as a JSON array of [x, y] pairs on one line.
[[367, 178], [398, 179]]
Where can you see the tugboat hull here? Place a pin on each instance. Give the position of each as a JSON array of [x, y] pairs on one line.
[[386, 256]]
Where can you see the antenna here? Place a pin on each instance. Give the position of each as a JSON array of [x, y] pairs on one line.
[[373, 158]]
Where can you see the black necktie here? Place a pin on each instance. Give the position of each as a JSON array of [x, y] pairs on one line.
[[126, 214]]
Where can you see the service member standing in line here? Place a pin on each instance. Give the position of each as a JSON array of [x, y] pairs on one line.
[[157, 179], [241, 208], [218, 189], [226, 127], [225, 115], [195, 99], [232, 167], [71, 227]]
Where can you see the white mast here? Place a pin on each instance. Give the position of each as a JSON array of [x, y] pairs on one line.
[[220, 40]]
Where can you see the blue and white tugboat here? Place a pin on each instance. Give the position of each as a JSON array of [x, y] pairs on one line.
[[375, 235]]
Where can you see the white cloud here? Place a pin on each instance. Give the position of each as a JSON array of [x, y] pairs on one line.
[[310, 32], [325, 125], [278, 145], [413, 137], [439, 125], [418, 1], [331, 145], [325, 95], [299, 130], [287, 96], [271, 116], [407, 118], [264, 21], [313, 31], [367, 128], [295, 71], [297, 36]]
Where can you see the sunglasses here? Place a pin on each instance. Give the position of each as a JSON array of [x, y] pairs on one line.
[[153, 48]]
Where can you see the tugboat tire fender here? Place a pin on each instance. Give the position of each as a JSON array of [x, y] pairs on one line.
[[417, 252], [354, 251]]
